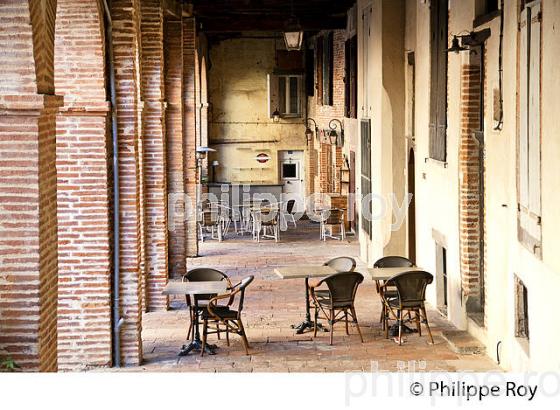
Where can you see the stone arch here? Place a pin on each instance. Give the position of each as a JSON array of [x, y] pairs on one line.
[[83, 202]]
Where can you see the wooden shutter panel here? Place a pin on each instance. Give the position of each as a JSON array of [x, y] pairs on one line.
[[438, 86], [319, 69], [534, 137], [523, 112], [328, 64]]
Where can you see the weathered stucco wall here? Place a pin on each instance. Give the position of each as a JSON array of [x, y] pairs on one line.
[[239, 123], [437, 183]]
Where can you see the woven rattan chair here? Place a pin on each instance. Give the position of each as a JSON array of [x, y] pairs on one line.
[[211, 220], [411, 294], [388, 288], [333, 218], [225, 315], [202, 275], [266, 224], [342, 264], [336, 304]]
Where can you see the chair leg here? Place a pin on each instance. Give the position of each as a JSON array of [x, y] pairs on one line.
[[418, 328], [218, 331], [400, 320], [331, 324], [353, 311], [427, 325], [190, 323], [243, 336], [204, 336], [315, 322], [346, 321], [386, 320], [227, 332]]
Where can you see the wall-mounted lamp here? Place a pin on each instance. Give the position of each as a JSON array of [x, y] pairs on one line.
[[309, 131], [468, 41], [276, 115], [333, 134]]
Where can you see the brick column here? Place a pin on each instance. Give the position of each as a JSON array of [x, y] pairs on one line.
[[155, 182], [189, 130], [174, 135], [469, 184], [28, 230], [125, 15], [28, 226], [83, 196]]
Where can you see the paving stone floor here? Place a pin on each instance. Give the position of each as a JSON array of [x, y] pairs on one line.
[[272, 305]]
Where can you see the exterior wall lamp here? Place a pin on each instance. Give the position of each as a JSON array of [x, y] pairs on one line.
[[276, 116], [468, 41], [333, 134], [309, 131]]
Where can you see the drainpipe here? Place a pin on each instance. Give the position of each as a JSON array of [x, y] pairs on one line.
[[117, 319]]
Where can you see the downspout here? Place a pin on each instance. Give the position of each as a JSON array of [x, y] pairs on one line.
[[117, 321]]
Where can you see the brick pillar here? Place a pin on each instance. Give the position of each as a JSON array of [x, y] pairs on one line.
[[83, 196], [189, 131], [28, 226], [28, 231], [153, 130], [125, 45], [469, 184], [174, 135]]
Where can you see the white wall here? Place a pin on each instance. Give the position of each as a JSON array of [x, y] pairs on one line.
[[437, 184]]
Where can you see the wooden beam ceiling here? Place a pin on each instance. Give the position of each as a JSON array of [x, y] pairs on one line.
[[269, 15]]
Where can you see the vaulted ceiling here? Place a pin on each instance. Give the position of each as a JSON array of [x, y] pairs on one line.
[[269, 15]]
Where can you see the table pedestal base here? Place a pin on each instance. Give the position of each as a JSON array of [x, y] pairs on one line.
[[308, 324], [195, 346]]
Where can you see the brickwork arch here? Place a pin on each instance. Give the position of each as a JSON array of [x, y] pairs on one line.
[[83, 187]]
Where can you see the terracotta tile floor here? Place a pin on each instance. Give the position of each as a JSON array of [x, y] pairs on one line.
[[272, 305]]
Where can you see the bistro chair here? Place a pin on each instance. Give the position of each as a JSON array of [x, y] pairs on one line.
[[333, 218], [342, 264], [202, 275], [411, 294], [211, 221], [266, 224], [338, 302], [389, 288], [225, 315], [288, 214]]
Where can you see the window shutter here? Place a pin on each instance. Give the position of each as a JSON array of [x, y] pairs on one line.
[[319, 69], [529, 166], [273, 96], [438, 83], [523, 112], [328, 65], [534, 136]]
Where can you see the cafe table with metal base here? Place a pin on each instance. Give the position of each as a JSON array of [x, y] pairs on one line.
[[192, 289], [305, 271], [381, 275]]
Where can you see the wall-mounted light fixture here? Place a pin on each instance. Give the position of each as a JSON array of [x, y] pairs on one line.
[[276, 115], [334, 137], [309, 131], [464, 42]]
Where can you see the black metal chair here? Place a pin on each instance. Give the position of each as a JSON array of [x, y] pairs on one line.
[[289, 213], [202, 275], [391, 291], [342, 264], [230, 318], [411, 294], [342, 289]]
